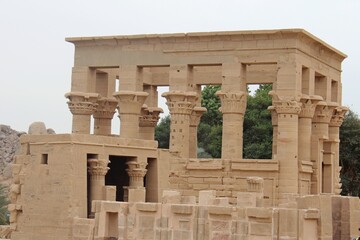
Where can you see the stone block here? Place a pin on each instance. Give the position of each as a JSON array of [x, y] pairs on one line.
[[171, 196], [182, 209], [206, 197], [147, 207]]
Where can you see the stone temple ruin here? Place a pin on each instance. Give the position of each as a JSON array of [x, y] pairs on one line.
[[98, 186]]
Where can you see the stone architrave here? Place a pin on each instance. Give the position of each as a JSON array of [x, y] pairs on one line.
[[103, 115], [288, 110], [148, 120], [233, 106], [97, 169], [194, 122], [181, 105], [130, 104], [82, 106]]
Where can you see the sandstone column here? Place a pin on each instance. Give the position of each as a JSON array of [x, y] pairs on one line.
[[334, 136], [181, 105], [130, 104], [308, 105], [194, 122], [287, 146], [136, 189], [274, 123], [233, 106], [103, 115], [148, 120], [320, 132], [97, 169], [82, 106]]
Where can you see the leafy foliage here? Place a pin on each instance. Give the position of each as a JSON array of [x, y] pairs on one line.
[[162, 132], [257, 125], [350, 154], [4, 220]]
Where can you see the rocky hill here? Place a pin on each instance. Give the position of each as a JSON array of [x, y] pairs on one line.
[[9, 144]]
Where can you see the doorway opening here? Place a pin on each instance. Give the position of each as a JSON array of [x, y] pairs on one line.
[[117, 175]]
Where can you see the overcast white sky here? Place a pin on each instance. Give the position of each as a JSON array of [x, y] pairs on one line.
[[35, 60]]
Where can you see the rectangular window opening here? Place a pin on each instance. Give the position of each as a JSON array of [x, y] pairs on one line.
[[44, 159]]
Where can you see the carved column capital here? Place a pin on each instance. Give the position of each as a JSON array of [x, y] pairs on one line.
[[136, 172], [98, 167], [308, 105], [284, 104], [149, 116], [255, 184], [324, 112], [180, 102], [105, 108], [82, 103], [196, 116], [232, 102], [338, 116], [130, 102]]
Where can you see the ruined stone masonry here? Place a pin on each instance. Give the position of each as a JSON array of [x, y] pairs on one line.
[[92, 185]]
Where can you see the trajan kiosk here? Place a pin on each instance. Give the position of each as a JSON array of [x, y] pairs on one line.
[[92, 185]]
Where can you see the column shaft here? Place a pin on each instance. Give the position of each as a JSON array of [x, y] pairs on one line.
[[103, 115], [287, 147], [233, 105], [181, 105]]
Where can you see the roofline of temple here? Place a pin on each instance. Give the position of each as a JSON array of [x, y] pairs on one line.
[[208, 34]]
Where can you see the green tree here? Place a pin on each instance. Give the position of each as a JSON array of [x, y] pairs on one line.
[[350, 154], [258, 130], [257, 125], [162, 132], [4, 219]]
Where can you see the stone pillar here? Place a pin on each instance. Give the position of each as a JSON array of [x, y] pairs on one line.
[[274, 122], [287, 146], [82, 106], [103, 115], [136, 190], [181, 105], [320, 132], [233, 106], [334, 136], [194, 122], [148, 120], [97, 169], [308, 105], [130, 104]]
